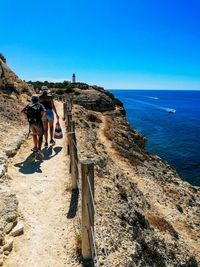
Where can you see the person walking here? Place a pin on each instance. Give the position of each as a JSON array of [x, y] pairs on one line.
[[46, 99], [35, 111]]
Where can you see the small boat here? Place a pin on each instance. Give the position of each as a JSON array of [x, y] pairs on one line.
[[172, 111]]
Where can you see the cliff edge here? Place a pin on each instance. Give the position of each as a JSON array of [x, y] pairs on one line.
[[150, 216]]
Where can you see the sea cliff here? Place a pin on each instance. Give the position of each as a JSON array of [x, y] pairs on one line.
[[150, 216]]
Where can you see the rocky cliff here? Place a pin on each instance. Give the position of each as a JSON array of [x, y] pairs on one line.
[[13, 95], [13, 128], [10, 84], [150, 216]]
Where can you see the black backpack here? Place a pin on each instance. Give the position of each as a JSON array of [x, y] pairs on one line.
[[33, 113]]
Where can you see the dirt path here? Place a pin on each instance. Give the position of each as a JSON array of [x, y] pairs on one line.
[[43, 191]]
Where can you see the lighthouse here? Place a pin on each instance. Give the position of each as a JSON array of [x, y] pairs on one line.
[[73, 78]]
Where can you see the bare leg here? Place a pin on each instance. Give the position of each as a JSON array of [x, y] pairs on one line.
[[35, 140], [51, 129], [40, 138], [45, 126]]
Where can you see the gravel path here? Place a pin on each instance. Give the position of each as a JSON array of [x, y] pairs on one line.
[[43, 191]]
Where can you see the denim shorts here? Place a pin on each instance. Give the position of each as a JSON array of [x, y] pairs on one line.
[[49, 115]]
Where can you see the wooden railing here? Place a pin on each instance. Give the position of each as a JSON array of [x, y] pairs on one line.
[[85, 185]]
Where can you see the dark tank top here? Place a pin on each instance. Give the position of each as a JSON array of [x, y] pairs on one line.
[[46, 101]]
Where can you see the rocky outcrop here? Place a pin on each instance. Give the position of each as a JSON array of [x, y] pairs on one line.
[[10, 84], [8, 220], [11, 120], [13, 130], [97, 100], [13, 94]]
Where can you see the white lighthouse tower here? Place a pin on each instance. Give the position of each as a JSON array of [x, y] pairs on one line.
[[73, 78]]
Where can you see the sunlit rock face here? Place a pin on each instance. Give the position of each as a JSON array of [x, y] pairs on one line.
[[10, 84], [97, 100]]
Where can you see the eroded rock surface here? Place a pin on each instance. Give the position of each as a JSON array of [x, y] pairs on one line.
[[97, 100], [8, 219], [11, 84], [13, 131]]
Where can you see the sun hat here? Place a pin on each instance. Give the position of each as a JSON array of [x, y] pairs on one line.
[[44, 88]]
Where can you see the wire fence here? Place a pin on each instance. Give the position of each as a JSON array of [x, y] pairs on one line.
[[89, 221]]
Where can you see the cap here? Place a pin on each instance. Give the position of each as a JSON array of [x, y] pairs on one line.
[[34, 98]]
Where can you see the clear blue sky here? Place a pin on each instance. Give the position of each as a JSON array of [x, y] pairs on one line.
[[113, 43]]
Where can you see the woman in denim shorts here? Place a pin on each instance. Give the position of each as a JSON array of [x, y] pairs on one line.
[[48, 120]]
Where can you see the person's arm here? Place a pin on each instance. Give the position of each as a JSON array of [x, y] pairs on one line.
[[43, 113], [54, 109], [43, 110]]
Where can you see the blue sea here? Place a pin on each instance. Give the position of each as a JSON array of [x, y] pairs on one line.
[[171, 122]]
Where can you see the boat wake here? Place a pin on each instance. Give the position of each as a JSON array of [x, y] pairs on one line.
[[150, 97], [169, 110]]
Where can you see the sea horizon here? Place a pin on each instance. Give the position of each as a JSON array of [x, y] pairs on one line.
[[149, 89]]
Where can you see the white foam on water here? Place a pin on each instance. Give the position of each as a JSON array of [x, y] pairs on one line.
[[169, 110]]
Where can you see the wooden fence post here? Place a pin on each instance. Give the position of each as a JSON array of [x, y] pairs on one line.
[[68, 106], [69, 117], [65, 110], [87, 174], [70, 128], [73, 159]]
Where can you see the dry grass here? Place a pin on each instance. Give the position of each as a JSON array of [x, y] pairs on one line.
[[170, 191], [78, 241], [161, 224]]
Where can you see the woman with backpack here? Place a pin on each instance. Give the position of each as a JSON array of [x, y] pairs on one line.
[[35, 112], [48, 120]]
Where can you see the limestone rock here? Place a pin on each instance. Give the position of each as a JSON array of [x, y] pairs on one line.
[[97, 100], [3, 159], [8, 212], [18, 229], [10, 83], [6, 252], [9, 227], [1, 260], [9, 244]]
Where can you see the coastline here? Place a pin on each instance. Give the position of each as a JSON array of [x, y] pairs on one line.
[[173, 137]]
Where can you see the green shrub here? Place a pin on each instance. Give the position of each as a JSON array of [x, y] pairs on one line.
[[69, 90], [2, 58], [60, 92]]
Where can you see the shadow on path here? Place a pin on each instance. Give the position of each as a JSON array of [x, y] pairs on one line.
[[88, 263], [73, 204], [48, 152], [29, 165]]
